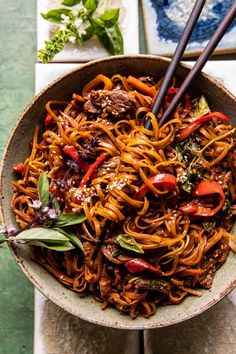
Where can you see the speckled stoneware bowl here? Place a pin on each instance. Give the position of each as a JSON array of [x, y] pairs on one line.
[[17, 149]]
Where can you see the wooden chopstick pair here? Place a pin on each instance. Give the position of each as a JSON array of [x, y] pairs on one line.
[[201, 61]]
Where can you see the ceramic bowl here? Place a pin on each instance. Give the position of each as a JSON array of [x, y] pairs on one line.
[[17, 149]]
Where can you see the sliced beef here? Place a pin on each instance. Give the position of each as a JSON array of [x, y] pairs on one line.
[[109, 166], [211, 262], [116, 103]]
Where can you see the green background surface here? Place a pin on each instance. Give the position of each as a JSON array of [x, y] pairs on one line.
[[17, 59]]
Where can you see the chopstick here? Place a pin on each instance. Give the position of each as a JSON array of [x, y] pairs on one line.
[[189, 27], [201, 61]]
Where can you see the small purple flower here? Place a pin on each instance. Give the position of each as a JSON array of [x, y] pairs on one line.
[[52, 214], [36, 204], [45, 210], [11, 230]]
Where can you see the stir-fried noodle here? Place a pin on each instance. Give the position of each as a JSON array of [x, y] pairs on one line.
[[165, 198]]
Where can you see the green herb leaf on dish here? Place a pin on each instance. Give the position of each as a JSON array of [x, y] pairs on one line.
[[209, 225], [60, 247], [90, 5], [70, 2], [202, 108], [64, 220], [72, 237], [111, 39], [43, 189], [129, 243], [110, 17], [40, 234], [56, 205], [56, 15]]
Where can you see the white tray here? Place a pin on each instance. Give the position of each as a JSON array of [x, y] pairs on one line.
[[91, 49]]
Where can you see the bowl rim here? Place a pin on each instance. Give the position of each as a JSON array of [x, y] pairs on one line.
[[46, 292]]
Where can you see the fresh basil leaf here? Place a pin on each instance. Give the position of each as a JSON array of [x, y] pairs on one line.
[[55, 15], [227, 209], [70, 2], [111, 39], [129, 243], [43, 189], [110, 17], [41, 234], [69, 219], [61, 247], [89, 32], [56, 205], [72, 237], [187, 186], [90, 5], [209, 225], [202, 108]]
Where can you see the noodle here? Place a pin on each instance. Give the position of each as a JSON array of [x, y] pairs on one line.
[[169, 191]]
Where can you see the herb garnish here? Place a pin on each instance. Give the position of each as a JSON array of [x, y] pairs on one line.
[[129, 243], [52, 226], [80, 25]]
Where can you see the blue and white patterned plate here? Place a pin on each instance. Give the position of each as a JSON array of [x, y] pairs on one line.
[[164, 21]]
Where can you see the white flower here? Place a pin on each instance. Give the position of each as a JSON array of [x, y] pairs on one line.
[[64, 18], [36, 204], [72, 39], [52, 214], [78, 22], [81, 32]]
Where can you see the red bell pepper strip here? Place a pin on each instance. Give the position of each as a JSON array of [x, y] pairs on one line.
[[163, 180], [92, 168], [73, 154], [198, 122], [138, 264], [18, 167], [48, 120], [201, 190]]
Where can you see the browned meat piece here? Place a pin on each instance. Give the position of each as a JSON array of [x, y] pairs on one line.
[[108, 167], [211, 262], [159, 285], [115, 102]]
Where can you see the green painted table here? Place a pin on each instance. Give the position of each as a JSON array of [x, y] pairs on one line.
[[17, 59]]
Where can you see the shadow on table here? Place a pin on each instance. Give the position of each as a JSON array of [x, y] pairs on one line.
[[214, 331]]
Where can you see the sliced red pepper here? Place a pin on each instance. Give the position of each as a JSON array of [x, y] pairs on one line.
[[198, 122], [164, 180], [201, 190], [73, 154], [48, 120], [138, 264], [92, 168], [18, 167]]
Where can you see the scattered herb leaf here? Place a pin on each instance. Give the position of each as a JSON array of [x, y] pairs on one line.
[[70, 2], [72, 237], [60, 247], [64, 220], [129, 243], [202, 108], [110, 17], [209, 225], [55, 15], [43, 189]]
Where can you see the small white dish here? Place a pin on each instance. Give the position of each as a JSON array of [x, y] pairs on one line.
[[91, 49]]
